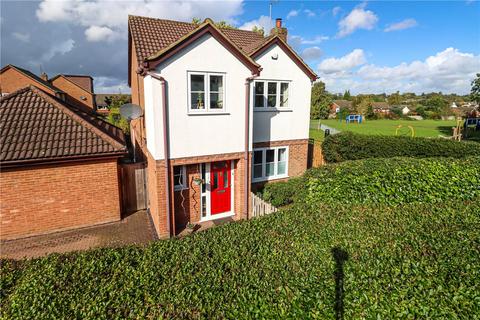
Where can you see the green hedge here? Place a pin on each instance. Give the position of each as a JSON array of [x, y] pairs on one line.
[[285, 192], [414, 261], [396, 180], [351, 146]]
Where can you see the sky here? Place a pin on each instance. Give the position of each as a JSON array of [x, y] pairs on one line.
[[364, 47]]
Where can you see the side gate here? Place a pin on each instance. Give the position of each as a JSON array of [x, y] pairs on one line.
[[133, 182]]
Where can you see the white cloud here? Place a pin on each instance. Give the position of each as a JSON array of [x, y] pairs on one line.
[[114, 14], [297, 41], [24, 37], [292, 13], [358, 18], [345, 63], [448, 71], [309, 13], [96, 34], [336, 11], [59, 48], [110, 85], [262, 22], [312, 53], [405, 24]]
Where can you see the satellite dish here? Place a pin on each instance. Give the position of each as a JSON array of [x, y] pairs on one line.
[[131, 111]]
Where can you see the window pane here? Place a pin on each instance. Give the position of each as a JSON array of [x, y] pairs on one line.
[[259, 86], [225, 180], [282, 154], [272, 88], [215, 180], [197, 100], [257, 171], [216, 101], [257, 157], [259, 101], [283, 94], [272, 101], [270, 155], [178, 178], [197, 82], [216, 83], [204, 206], [281, 167], [270, 169], [204, 185]]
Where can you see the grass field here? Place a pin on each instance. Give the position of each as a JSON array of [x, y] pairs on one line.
[[423, 128]]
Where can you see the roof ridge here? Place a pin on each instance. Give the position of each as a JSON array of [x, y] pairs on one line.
[[77, 118], [66, 78], [32, 76]]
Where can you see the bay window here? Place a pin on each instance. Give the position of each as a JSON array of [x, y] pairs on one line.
[[271, 94], [270, 163], [206, 91]]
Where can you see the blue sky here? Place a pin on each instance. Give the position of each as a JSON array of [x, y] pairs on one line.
[[366, 47]]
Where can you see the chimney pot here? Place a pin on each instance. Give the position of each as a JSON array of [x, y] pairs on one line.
[[278, 23], [44, 76]]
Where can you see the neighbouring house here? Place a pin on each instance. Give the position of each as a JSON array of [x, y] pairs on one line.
[[381, 107], [340, 104], [76, 90], [453, 105], [225, 110], [406, 110], [104, 100], [58, 164]]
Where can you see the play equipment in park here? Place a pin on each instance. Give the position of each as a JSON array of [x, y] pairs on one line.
[[358, 118], [405, 131]]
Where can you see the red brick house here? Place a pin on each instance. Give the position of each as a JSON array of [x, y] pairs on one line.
[[225, 110], [58, 165], [76, 90]]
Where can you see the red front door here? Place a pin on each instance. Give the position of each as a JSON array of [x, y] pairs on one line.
[[220, 181]]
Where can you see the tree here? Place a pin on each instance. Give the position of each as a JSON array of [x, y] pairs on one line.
[[220, 24], [395, 99], [259, 30], [362, 103], [114, 117], [346, 95], [475, 91], [320, 102], [370, 114]]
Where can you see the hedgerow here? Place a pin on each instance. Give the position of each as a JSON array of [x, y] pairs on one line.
[[415, 261], [350, 146]]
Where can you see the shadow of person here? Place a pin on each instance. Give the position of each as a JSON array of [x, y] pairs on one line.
[[339, 256]]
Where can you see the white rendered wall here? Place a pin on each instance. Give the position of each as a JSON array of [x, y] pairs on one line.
[[197, 134], [283, 125]]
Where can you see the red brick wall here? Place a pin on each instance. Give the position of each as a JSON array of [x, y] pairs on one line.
[[45, 199], [74, 94], [11, 80]]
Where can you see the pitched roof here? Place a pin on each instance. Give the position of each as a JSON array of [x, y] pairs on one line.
[[82, 81], [100, 98], [343, 103], [37, 127], [152, 35], [380, 104], [31, 76]]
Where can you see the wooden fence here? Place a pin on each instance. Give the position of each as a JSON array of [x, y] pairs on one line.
[[261, 207], [133, 183], [315, 155]]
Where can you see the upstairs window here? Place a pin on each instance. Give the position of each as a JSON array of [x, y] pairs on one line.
[[206, 91], [271, 94]]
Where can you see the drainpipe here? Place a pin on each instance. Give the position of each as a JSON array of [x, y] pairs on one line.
[[247, 133], [171, 230]]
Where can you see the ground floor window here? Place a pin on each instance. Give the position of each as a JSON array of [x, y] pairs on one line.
[[179, 178], [270, 163]]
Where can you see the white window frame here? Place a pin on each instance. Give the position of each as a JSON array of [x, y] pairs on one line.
[[264, 164], [183, 186], [207, 108], [277, 106]]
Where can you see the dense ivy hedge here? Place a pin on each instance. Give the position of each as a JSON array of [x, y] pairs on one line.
[[388, 181], [413, 262], [350, 146]]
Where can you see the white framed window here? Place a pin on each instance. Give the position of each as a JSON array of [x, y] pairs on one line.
[[271, 94], [269, 163], [206, 92], [179, 178]]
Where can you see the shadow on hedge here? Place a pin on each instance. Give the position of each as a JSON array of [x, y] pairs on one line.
[[340, 256]]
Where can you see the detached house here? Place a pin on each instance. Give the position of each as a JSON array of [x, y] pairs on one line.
[[225, 110]]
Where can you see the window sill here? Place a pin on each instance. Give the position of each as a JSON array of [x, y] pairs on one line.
[[207, 113], [255, 180], [256, 109]]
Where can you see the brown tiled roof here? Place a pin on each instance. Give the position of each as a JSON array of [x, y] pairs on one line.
[[84, 82], [152, 35], [383, 105], [38, 127], [343, 103]]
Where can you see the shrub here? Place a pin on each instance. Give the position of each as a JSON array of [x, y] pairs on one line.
[[414, 261], [283, 193], [395, 181], [351, 146]]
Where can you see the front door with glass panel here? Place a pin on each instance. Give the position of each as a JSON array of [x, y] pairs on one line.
[[220, 192]]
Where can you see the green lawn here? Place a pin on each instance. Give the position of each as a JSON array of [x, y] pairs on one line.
[[317, 135], [423, 128]]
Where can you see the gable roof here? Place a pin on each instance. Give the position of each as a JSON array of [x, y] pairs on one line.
[[82, 81], [31, 75], [343, 103], [158, 39], [37, 128]]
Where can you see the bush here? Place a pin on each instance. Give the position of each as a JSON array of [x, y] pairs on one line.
[[351, 146], [415, 261], [396, 181], [283, 193]]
